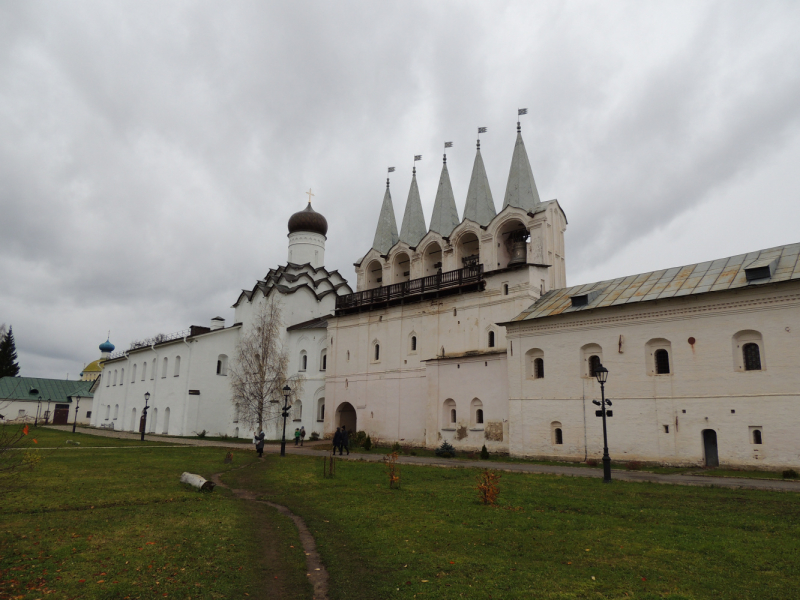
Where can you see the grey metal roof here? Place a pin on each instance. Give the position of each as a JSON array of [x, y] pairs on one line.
[[445, 214], [521, 188], [413, 228], [386, 232], [480, 205], [690, 280]]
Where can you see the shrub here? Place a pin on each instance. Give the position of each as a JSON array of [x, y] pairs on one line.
[[396, 448], [412, 452], [591, 462], [367, 444], [484, 453], [488, 488], [790, 474], [446, 450], [361, 437], [314, 436], [201, 434], [633, 465]]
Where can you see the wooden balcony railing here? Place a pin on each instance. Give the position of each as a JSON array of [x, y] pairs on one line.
[[449, 282]]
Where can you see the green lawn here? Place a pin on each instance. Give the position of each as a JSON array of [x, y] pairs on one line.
[[552, 537], [116, 523]]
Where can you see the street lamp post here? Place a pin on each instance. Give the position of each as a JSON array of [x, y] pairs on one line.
[[38, 408], [285, 413], [75, 421], [143, 422], [602, 376]]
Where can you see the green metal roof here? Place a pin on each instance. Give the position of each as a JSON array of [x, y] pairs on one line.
[[782, 264], [57, 390]]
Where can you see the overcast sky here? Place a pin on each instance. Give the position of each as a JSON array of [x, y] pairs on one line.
[[152, 152]]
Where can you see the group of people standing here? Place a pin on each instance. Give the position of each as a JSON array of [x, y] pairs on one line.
[[341, 440], [299, 436]]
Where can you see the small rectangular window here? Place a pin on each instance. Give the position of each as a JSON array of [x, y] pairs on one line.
[[666, 428]]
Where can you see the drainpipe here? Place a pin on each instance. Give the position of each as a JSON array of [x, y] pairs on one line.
[[185, 415], [585, 439]]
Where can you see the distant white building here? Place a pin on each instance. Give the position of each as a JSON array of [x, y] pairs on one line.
[[186, 373]]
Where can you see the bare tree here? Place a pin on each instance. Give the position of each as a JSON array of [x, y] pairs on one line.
[[259, 370]]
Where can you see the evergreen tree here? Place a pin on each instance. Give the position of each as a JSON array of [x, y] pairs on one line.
[[8, 356]]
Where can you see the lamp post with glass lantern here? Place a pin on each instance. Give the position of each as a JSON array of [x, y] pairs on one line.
[[143, 421], [602, 376], [285, 413]]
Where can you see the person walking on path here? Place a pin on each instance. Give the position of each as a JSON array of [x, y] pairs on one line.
[[345, 442], [296, 436], [258, 440], [337, 440], [302, 435]]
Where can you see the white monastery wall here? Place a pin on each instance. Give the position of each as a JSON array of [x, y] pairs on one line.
[[661, 417]]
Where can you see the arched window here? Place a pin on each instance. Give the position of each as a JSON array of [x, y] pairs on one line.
[[557, 434], [323, 361], [236, 432], [115, 377], [377, 351], [476, 412], [116, 411], [752, 357], [122, 376], [165, 431], [748, 351], [222, 365], [538, 368], [297, 410], [153, 371], [413, 343], [449, 413], [133, 376], [108, 411], [134, 423], [108, 378], [591, 357], [662, 362], [756, 436], [303, 360], [491, 339], [177, 366], [594, 364], [505, 289], [348, 356], [236, 409], [144, 370], [164, 367], [321, 409], [153, 420]]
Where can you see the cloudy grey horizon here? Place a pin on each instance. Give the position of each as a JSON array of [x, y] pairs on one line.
[[151, 153]]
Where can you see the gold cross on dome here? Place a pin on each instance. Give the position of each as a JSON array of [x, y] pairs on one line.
[[309, 195]]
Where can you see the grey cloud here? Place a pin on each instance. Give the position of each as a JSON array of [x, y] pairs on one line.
[[151, 153]]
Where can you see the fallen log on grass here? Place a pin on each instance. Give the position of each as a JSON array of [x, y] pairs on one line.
[[198, 482]]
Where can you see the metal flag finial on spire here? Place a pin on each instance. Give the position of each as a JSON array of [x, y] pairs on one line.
[[416, 158], [391, 170], [520, 111], [446, 146], [480, 131]]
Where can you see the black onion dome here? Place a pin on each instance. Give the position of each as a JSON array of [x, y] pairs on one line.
[[308, 220]]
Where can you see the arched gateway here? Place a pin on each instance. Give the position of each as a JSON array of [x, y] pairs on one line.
[[346, 415]]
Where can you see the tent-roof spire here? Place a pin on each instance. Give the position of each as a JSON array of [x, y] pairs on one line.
[[521, 188], [445, 214], [413, 228], [386, 232], [480, 205]]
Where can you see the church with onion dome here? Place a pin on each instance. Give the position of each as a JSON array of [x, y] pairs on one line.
[[187, 373], [462, 329]]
